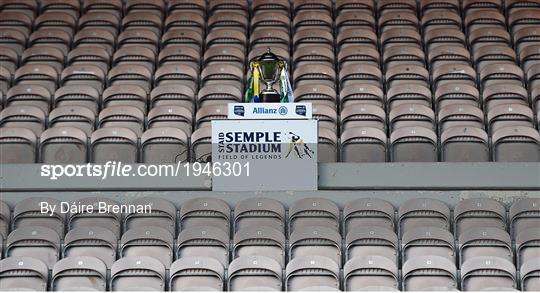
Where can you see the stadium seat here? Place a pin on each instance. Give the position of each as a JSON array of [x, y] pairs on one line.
[[524, 214], [114, 144], [196, 274], [482, 273], [23, 273], [313, 212], [29, 117], [425, 272], [254, 271], [137, 272], [150, 241], [18, 145], [366, 241], [527, 246], [91, 241], [79, 117], [306, 272], [29, 213], [259, 241], [203, 241], [164, 145], [420, 212], [101, 215], [364, 273], [488, 242], [529, 275], [29, 95], [63, 145], [205, 212], [315, 240], [163, 214], [259, 212], [427, 241], [478, 213], [41, 243], [83, 273], [367, 212]]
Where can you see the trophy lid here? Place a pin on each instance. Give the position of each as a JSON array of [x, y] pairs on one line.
[[269, 56]]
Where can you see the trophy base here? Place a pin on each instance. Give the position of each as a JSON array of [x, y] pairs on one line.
[[270, 97]]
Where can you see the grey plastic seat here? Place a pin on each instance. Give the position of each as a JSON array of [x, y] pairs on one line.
[[136, 273], [509, 115], [249, 271], [100, 19], [460, 115], [427, 241], [164, 145], [407, 74], [201, 145], [364, 273], [527, 246], [135, 55], [311, 36], [308, 271], [218, 94], [363, 115], [259, 241], [178, 37], [327, 148], [176, 74], [61, 145], [354, 75], [315, 240], [456, 93], [222, 55], [78, 117], [478, 213], [38, 242], [172, 95], [102, 215], [114, 144], [149, 241], [83, 95], [464, 144], [401, 36], [129, 117], [86, 74], [316, 94], [313, 212], [79, 273], [408, 94], [314, 74], [196, 274], [366, 241], [363, 144], [205, 212], [125, 95], [489, 242], [178, 54], [128, 74], [411, 115], [37, 74], [29, 117], [326, 116], [91, 241], [313, 54], [494, 73], [260, 212], [480, 273], [203, 241], [18, 145], [516, 144], [413, 144], [524, 214], [5, 219], [428, 271], [454, 73], [44, 55], [23, 274], [504, 94], [171, 116], [368, 212], [529, 274], [423, 212], [91, 37], [28, 213], [29, 95], [225, 74], [450, 54], [162, 214]]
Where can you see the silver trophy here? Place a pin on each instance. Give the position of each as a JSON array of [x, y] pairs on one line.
[[270, 67]]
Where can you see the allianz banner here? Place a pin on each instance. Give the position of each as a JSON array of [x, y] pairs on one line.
[[281, 155]]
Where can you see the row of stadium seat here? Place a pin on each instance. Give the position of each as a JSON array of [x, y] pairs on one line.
[[272, 249], [117, 60]]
